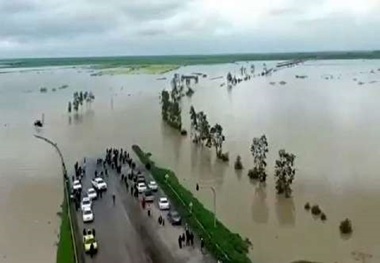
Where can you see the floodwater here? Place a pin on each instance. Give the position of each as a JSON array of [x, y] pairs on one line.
[[332, 126]]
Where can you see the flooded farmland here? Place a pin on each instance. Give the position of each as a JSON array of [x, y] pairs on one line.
[[329, 120]]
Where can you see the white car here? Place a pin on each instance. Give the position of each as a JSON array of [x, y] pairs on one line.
[[153, 186], [99, 183], [92, 193], [77, 185], [86, 203], [141, 187], [163, 203], [87, 215]]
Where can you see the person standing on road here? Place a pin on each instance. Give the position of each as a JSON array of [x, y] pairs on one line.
[[192, 239], [91, 250], [187, 237], [160, 220], [180, 242], [202, 244], [113, 199]]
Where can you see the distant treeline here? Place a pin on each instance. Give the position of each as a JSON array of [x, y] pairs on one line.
[[107, 62]]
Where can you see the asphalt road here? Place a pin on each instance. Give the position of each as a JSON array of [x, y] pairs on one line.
[[124, 231]]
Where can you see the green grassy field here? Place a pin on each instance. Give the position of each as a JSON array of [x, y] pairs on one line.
[[138, 69]]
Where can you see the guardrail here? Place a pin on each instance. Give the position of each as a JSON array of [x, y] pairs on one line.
[[74, 229]]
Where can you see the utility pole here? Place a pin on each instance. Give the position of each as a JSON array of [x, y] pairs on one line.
[[214, 197]]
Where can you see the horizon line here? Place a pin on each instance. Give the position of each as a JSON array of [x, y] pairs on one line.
[[199, 55]]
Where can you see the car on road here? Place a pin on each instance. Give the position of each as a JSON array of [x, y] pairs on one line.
[[99, 183], [86, 203], [92, 193], [141, 187], [141, 179], [174, 218], [87, 215], [77, 185], [148, 195], [88, 239], [153, 186], [163, 203]]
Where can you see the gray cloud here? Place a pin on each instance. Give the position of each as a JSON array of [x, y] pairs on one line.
[[97, 27]]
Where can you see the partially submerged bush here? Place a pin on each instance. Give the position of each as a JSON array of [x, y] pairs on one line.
[[323, 217], [345, 226], [238, 164], [307, 206], [224, 157], [315, 210], [183, 132], [252, 174]]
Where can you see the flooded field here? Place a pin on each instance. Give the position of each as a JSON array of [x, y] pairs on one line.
[[331, 124]]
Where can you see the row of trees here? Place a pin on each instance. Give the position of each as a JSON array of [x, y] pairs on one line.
[[284, 166], [210, 136], [171, 109], [79, 98], [171, 101]]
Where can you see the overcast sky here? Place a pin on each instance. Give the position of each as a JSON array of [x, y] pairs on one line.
[[45, 28]]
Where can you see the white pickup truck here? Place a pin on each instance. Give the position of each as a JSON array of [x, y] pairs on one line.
[[99, 184]]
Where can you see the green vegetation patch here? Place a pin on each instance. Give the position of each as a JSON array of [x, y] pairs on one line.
[[65, 252], [134, 69], [220, 241]]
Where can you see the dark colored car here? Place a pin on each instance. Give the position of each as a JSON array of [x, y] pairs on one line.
[[174, 218], [148, 195]]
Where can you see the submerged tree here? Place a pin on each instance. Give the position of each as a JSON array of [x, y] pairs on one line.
[[217, 138], [238, 163], [229, 77], [259, 149], [165, 104], [284, 172], [171, 110], [194, 125], [204, 129]]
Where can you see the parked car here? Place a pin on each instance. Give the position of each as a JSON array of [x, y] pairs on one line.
[[174, 218], [88, 239], [148, 195], [87, 215], [141, 179], [153, 186], [77, 185], [163, 203], [92, 193], [141, 187], [86, 203], [99, 183]]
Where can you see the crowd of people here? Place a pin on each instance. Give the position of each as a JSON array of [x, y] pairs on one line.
[[115, 159], [186, 238]]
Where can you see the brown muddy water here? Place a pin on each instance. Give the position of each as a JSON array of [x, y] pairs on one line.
[[333, 127]]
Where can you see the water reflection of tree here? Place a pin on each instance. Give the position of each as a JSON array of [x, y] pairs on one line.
[[260, 211], [218, 171], [285, 210], [204, 164], [194, 155], [78, 118]]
